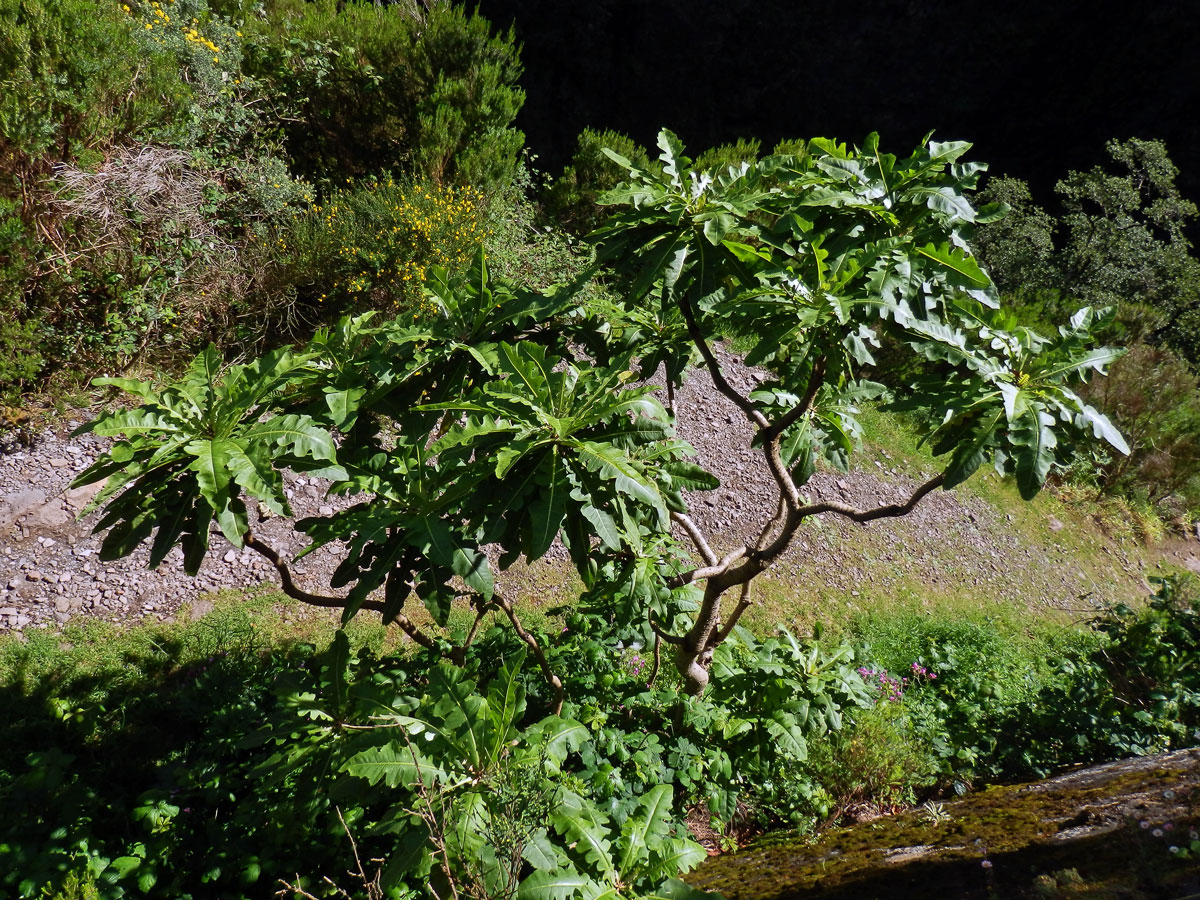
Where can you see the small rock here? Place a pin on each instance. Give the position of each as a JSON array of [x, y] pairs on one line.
[[230, 556], [326, 510], [62, 604], [1055, 524], [60, 462], [33, 575], [78, 498]]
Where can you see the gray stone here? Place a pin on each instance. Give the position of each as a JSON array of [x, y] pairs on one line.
[[49, 515], [230, 556], [326, 510], [78, 498], [13, 506], [60, 462], [1055, 524]]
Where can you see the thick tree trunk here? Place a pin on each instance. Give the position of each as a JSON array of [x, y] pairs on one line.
[[693, 655]]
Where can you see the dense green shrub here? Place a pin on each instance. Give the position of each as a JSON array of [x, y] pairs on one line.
[[20, 359], [1155, 400], [989, 706], [206, 759], [1121, 240], [364, 88], [75, 80], [1137, 694], [154, 159], [571, 200], [145, 149], [370, 246]]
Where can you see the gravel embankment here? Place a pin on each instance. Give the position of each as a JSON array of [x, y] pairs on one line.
[[50, 572]]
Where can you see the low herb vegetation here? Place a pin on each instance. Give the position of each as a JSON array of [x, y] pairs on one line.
[[227, 755], [315, 223]]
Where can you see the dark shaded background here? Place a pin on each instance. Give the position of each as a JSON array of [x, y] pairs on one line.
[[1037, 86]]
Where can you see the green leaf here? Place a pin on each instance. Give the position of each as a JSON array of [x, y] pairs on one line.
[[681, 855], [549, 506], [690, 477], [957, 262], [971, 453], [506, 704], [540, 852], [1034, 445], [580, 822], [552, 885], [558, 737], [343, 405], [295, 433], [644, 830], [393, 764], [252, 471], [674, 889], [788, 736], [338, 660], [211, 466], [604, 526], [1103, 428], [435, 539], [613, 463]]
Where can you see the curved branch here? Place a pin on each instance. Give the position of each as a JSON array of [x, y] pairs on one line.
[[693, 531], [663, 635], [788, 492], [792, 416], [458, 655], [744, 603], [774, 522], [530, 641], [714, 367], [796, 516], [879, 512], [718, 568], [657, 660], [297, 593]]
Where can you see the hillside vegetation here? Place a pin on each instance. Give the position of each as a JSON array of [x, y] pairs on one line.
[[675, 498]]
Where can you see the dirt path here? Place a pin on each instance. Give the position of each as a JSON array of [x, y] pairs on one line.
[[953, 544]]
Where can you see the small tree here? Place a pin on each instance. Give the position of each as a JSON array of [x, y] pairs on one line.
[[1122, 242], [512, 418]]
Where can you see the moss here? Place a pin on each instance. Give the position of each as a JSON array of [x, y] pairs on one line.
[[1024, 833]]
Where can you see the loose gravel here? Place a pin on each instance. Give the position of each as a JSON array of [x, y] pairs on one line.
[[50, 571]]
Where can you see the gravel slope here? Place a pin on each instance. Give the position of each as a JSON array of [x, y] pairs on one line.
[[50, 572]]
